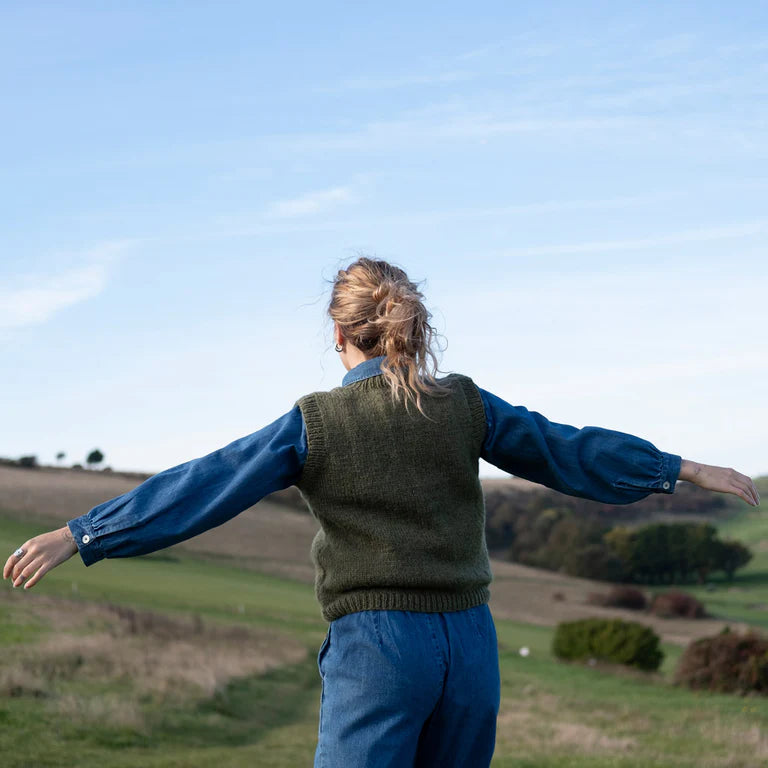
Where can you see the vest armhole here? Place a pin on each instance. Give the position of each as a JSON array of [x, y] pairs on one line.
[[313, 420], [476, 408]]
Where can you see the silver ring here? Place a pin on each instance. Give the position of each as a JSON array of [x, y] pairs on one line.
[[19, 552]]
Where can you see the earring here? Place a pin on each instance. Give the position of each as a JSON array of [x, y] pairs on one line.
[[338, 348]]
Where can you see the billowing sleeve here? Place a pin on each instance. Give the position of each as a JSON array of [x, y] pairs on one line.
[[183, 501], [591, 462]]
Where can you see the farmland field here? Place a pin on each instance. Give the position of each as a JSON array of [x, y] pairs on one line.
[[188, 657]]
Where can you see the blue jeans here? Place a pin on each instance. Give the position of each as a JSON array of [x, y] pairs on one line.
[[406, 689]]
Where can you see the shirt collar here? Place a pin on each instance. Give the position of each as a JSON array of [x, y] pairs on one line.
[[363, 370]]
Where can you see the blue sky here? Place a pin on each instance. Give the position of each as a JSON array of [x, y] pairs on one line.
[[579, 189]]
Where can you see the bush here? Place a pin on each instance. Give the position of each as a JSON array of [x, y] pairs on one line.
[[625, 642], [27, 461], [677, 604], [727, 663], [619, 597]]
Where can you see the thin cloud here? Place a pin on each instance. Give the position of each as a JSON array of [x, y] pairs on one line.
[[401, 81], [676, 238], [452, 123], [309, 204], [672, 45], [36, 298]]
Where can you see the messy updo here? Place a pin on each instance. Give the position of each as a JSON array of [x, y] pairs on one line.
[[380, 311]]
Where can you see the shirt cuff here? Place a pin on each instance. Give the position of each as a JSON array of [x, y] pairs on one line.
[[670, 471], [88, 545]]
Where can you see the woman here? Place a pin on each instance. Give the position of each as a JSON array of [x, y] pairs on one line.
[[388, 464]]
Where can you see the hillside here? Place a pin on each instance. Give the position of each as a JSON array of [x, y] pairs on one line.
[[274, 537]]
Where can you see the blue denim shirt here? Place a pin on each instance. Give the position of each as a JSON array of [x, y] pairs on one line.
[[183, 501]]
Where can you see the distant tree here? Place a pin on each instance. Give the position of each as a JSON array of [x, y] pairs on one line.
[[594, 561], [60, 456], [705, 549], [730, 555], [27, 461], [94, 457]]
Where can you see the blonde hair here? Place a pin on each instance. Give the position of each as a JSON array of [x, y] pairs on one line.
[[381, 312]]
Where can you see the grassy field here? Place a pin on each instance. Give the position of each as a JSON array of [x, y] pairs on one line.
[[184, 660], [746, 598]]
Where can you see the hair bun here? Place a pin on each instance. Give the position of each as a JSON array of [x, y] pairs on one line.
[[381, 311], [384, 290]]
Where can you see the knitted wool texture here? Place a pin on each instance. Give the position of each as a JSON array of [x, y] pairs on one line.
[[398, 498]]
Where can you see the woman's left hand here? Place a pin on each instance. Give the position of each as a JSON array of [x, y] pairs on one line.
[[41, 554]]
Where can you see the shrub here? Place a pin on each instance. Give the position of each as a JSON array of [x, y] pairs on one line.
[[674, 603], [619, 597], [727, 663], [27, 461], [625, 642]]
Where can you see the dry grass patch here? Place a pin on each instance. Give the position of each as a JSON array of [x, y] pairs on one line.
[[112, 709], [537, 718], [586, 738], [526, 720], [751, 741], [134, 656]]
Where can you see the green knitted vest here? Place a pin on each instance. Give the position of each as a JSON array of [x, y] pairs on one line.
[[398, 498]]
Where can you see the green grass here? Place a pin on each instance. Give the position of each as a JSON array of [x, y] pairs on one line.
[[179, 584], [552, 715]]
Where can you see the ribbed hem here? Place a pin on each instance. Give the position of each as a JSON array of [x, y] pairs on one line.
[[401, 600], [476, 408]]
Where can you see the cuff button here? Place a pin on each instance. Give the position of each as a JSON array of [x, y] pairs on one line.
[[665, 485], [86, 539]]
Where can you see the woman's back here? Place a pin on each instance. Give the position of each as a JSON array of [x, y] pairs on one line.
[[398, 496]]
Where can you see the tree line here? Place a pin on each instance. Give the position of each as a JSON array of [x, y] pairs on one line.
[[580, 538], [93, 459]]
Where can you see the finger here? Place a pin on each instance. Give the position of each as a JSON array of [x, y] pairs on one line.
[[749, 487], [41, 571], [742, 492], [21, 563], [12, 560], [746, 482], [27, 570]]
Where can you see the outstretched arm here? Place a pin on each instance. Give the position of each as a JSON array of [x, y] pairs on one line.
[[174, 505], [592, 462]]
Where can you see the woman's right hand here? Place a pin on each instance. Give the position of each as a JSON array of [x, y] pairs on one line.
[[41, 554], [721, 479]]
